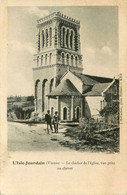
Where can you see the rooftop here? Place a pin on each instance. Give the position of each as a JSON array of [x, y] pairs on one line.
[[57, 14], [65, 88], [97, 89], [85, 79], [100, 79], [92, 80]]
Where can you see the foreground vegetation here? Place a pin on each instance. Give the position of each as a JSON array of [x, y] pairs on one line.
[[93, 137]]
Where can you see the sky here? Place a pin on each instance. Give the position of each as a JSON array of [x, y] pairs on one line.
[[98, 36]]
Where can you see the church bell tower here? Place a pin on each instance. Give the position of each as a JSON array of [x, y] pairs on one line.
[[58, 47]]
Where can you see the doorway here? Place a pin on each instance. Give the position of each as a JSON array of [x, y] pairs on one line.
[[64, 113], [77, 113]]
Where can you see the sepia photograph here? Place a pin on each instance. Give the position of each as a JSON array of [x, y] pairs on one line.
[[63, 97], [63, 79]]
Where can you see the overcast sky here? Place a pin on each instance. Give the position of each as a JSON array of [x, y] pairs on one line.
[[99, 42]]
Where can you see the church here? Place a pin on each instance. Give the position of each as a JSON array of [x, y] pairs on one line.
[[59, 82]]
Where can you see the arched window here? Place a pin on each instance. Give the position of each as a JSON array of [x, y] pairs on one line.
[[45, 59], [76, 40], [56, 36], [51, 85], [67, 59], [37, 60], [67, 38], [46, 37], [63, 37], [42, 39], [50, 32], [77, 113], [42, 60], [37, 95], [72, 60], [36, 88], [45, 87], [50, 58], [71, 40], [76, 61], [63, 61], [64, 113], [39, 41]]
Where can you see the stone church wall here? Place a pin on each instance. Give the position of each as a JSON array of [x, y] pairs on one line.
[[77, 103], [65, 102], [53, 104], [94, 104], [44, 73]]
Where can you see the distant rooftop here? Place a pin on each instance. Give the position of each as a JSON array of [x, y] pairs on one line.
[[60, 15]]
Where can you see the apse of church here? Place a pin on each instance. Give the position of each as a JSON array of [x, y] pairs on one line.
[[58, 47]]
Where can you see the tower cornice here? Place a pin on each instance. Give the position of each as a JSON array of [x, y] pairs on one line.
[[50, 49], [57, 15], [56, 65]]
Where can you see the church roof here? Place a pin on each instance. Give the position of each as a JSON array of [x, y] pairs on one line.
[[65, 88], [100, 79], [92, 80], [97, 89], [85, 79]]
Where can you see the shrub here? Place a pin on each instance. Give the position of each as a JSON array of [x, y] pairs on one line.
[[83, 122]]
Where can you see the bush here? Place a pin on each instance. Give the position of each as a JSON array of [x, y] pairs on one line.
[[11, 116], [87, 127], [35, 117], [111, 112], [18, 112], [83, 122]]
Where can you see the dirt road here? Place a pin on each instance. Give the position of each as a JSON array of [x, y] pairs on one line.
[[24, 137]]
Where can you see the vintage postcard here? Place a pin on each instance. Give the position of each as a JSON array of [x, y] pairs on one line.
[[63, 97]]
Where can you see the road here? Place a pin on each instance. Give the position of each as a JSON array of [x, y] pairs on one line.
[[26, 137]]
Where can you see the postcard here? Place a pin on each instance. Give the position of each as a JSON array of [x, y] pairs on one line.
[[63, 97]]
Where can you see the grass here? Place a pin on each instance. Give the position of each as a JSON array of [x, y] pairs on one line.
[[107, 141]]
